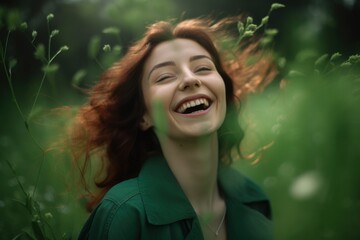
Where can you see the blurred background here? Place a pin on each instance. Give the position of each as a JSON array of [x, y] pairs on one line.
[[311, 126]]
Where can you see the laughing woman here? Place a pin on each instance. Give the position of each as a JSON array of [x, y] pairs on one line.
[[164, 121]]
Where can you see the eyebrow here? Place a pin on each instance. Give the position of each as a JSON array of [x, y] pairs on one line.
[[171, 63], [197, 57], [160, 65]]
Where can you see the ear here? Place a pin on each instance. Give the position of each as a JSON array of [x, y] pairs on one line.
[[146, 122]]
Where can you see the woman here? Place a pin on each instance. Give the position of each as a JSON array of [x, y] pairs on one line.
[[164, 121]]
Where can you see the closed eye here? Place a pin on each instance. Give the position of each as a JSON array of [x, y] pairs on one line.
[[202, 69], [163, 77]]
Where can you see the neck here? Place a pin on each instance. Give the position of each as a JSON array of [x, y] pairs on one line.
[[194, 163]]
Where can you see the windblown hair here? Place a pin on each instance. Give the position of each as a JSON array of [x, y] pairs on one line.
[[108, 126]]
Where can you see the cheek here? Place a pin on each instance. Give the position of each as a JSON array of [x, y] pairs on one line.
[[221, 89], [222, 94], [147, 103], [157, 102]]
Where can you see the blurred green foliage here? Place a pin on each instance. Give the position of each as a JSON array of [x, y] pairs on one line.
[[311, 169], [310, 125]]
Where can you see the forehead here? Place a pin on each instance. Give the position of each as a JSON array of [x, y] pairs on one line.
[[174, 50]]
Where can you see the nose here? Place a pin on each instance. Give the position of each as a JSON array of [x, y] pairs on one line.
[[189, 81]]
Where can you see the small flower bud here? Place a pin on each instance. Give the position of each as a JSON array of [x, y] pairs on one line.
[[264, 20], [64, 48], [240, 25], [275, 6], [12, 63], [34, 34], [106, 48], [248, 34], [24, 25], [252, 27], [50, 16], [249, 20], [54, 33], [48, 215]]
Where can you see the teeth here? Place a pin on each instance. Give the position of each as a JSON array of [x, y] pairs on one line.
[[193, 103]]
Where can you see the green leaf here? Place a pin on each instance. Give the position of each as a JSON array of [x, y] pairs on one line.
[[294, 73], [94, 46], [345, 64], [117, 49], [78, 77], [354, 59], [111, 30], [275, 6], [20, 202], [37, 229], [335, 56], [21, 235], [321, 60], [265, 41], [12, 63], [36, 112], [50, 68], [40, 52], [271, 31], [281, 62]]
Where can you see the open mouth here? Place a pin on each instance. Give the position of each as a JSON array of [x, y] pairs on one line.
[[193, 106]]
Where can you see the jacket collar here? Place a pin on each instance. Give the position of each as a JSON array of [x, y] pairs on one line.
[[165, 202], [163, 199], [239, 188]]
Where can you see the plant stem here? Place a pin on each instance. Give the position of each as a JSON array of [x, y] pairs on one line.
[[38, 92], [39, 172], [16, 176], [9, 77]]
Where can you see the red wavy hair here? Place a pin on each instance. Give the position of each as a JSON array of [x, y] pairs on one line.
[[109, 124]]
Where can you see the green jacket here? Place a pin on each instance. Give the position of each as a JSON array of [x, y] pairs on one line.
[[153, 206]]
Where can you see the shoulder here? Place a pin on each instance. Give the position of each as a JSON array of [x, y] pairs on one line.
[[118, 215], [244, 190], [124, 192]]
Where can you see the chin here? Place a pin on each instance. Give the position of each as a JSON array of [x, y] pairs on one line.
[[200, 131]]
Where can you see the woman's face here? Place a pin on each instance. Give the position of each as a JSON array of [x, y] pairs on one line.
[[183, 92]]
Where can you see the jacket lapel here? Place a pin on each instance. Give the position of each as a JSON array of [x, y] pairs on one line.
[[163, 198], [243, 222]]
